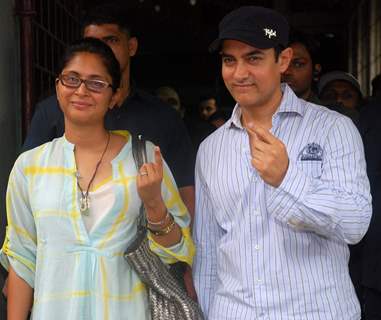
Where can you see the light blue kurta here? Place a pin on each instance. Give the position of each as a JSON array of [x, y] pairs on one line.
[[76, 274]]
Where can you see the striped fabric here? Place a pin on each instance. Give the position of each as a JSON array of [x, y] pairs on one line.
[[75, 274], [281, 253]]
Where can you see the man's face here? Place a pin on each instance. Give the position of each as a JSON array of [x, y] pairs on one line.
[[121, 44], [207, 108], [252, 75], [340, 92], [299, 73]]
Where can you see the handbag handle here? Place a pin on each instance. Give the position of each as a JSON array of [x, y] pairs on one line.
[[139, 153]]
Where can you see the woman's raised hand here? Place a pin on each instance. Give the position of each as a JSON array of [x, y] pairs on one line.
[[149, 181]]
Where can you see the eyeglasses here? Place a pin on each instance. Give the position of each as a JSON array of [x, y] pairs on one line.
[[75, 82]]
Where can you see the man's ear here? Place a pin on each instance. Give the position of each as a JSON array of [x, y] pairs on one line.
[[284, 59], [115, 98], [132, 46], [317, 69]]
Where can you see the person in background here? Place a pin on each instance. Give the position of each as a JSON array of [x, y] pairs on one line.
[[281, 189], [218, 118], [376, 86], [207, 106], [171, 97], [73, 206], [341, 91], [304, 69], [366, 258]]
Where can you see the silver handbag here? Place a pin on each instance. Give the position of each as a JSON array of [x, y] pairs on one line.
[[168, 299]]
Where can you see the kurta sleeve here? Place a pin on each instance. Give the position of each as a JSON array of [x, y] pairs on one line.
[[19, 248], [185, 249]]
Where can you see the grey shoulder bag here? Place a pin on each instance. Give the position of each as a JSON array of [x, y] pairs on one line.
[[168, 299]]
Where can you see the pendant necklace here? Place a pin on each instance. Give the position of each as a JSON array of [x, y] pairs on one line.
[[84, 201]]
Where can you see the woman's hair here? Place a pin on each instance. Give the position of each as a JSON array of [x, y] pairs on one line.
[[95, 46]]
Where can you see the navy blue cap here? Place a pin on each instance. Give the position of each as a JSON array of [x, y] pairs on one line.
[[259, 27]]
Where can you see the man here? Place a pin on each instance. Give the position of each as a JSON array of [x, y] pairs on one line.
[[207, 106], [281, 189], [367, 276], [137, 111], [304, 67], [340, 88], [376, 86], [171, 97]]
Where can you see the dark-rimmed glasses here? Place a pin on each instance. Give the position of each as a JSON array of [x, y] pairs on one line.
[[74, 82]]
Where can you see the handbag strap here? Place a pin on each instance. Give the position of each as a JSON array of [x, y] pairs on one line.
[[139, 152]]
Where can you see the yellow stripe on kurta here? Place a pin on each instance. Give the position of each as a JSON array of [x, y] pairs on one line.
[[31, 266], [176, 257], [139, 287], [34, 170], [100, 184], [15, 190], [175, 196], [55, 213], [11, 224], [22, 232]]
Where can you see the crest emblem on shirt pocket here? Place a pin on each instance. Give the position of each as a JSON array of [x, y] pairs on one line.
[[311, 152]]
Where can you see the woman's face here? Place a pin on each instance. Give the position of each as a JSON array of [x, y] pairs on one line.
[[88, 103]]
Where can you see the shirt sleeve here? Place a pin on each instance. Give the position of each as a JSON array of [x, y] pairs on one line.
[[184, 250], [19, 248], [206, 235], [335, 203], [47, 124]]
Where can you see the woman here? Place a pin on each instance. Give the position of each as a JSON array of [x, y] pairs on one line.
[[73, 203]]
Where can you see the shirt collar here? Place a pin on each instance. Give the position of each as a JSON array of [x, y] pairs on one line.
[[290, 103]]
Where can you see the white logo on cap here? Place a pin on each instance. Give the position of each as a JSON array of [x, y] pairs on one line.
[[269, 33]]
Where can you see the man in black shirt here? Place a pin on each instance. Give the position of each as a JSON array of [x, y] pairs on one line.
[[365, 264]]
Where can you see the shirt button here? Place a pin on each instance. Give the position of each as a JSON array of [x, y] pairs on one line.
[[256, 213], [259, 280], [256, 247]]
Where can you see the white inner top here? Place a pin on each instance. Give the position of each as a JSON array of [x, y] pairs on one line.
[[101, 201]]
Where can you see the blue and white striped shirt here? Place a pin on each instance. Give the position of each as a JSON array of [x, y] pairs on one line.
[[281, 253]]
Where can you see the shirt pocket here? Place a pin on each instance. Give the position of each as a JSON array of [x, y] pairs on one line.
[[312, 168]]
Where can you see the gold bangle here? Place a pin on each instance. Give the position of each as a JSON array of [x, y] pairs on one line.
[[164, 231]]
